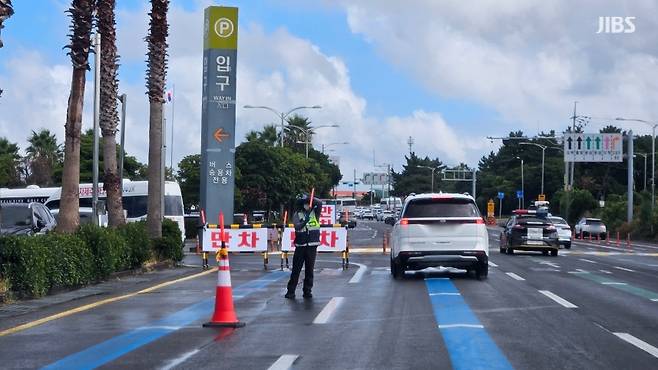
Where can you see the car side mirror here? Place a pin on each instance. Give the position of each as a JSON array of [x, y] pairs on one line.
[[40, 224]]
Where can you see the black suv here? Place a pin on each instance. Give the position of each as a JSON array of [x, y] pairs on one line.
[[25, 219]]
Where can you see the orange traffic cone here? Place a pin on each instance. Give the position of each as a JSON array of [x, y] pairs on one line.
[[224, 315]]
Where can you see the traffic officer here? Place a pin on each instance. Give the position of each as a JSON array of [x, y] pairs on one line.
[[307, 239]]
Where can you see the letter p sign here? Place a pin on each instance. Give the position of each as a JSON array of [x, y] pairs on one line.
[[224, 27]]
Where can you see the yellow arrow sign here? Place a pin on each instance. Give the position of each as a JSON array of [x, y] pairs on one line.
[[220, 135]]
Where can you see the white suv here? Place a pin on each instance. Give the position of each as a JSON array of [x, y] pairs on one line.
[[440, 230]]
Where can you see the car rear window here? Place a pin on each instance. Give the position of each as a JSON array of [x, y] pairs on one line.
[[441, 207], [559, 221], [593, 222], [531, 220]]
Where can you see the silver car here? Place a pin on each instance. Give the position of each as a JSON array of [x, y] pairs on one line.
[[591, 226], [563, 231]]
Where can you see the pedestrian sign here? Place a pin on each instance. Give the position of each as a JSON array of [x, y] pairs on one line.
[[501, 195], [541, 197], [583, 147], [490, 208], [519, 194]]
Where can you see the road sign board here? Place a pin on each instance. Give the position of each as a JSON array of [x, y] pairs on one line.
[[541, 197], [593, 147], [490, 208], [501, 195], [519, 194], [218, 111], [375, 178]]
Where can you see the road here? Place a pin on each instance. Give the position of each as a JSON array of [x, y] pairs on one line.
[[592, 307]]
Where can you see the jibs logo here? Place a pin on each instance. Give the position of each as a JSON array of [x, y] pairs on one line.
[[616, 25]]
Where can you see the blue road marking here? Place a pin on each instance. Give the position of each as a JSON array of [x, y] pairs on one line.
[[468, 343], [102, 353]]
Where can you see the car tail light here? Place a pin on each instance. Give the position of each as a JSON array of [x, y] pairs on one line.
[[518, 227], [551, 228], [479, 221], [404, 221]]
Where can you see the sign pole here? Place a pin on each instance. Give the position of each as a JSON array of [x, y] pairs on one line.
[[220, 43]]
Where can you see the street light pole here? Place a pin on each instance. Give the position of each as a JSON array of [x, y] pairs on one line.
[[432, 169], [653, 155], [324, 146], [281, 115], [123, 99], [307, 133], [97, 96]]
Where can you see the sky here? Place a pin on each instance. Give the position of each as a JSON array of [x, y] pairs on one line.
[[446, 73]]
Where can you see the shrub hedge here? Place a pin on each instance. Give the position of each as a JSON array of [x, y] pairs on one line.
[[32, 266]]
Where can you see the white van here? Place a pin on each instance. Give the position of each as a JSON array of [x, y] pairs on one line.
[[135, 200]]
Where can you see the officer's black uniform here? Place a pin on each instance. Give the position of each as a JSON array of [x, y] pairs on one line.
[[307, 240]]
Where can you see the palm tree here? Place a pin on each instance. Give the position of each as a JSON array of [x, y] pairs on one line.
[[81, 13], [42, 157], [109, 116], [6, 11], [294, 135], [155, 83]]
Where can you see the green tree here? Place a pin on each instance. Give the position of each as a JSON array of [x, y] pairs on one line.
[[189, 179], [415, 178], [44, 156], [132, 168], [9, 164]]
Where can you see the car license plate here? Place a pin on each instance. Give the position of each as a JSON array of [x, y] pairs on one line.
[[535, 234]]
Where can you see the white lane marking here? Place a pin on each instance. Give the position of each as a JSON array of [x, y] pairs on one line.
[[583, 271], [550, 264], [492, 264], [432, 294], [328, 310], [612, 283], [638, 343], [558, 299], [605, 271], [177, 361], [514, 276], [359, 273], [623, 269], [448, 326], [585, 260], [283, 363], [654, 299]]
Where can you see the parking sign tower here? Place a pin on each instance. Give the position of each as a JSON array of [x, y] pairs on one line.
[[220, 41]]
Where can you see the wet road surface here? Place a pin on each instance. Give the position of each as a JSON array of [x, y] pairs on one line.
[[593, 306]]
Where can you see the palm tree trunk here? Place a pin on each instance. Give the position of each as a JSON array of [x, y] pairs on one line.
[[81, 22], [6, 11], [155, 83], [69, 217], [109, 115], [112, 183], [154, 217]]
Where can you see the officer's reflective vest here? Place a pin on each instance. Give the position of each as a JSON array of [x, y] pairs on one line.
[[309, 235]]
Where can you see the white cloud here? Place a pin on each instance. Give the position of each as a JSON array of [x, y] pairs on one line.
[[527, 60], [275, 68]]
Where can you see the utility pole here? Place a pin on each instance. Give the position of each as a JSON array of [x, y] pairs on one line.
[[123, 98], [97, 97], [354, 185], [410, 142], [629, 208]]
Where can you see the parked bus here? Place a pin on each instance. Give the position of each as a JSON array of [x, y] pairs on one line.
[[342, 204], [32, 193], [135, 200]]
